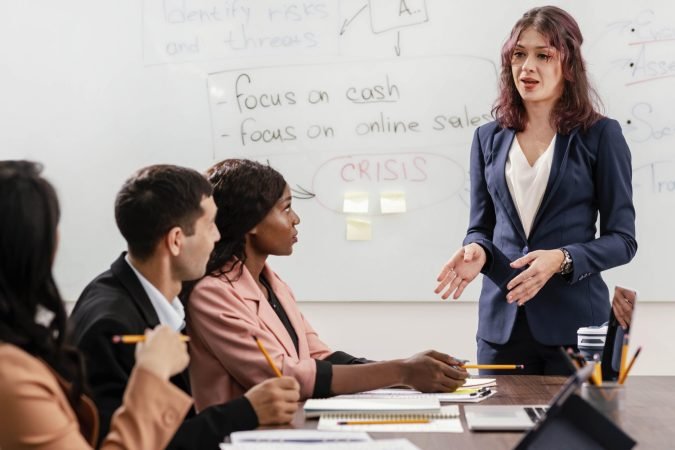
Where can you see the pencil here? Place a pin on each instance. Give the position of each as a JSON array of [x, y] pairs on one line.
[[624, 355], [596, 375], [493, 366], [267, 357], [382, 422], [136, 338], [622, 379]]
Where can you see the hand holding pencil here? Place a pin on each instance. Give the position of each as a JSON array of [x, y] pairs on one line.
[[432, 371], [136, 338], [493, 366], [162, 352], [275, 400]]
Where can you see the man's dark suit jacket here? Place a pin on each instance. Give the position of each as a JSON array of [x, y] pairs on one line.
[[116, 303]]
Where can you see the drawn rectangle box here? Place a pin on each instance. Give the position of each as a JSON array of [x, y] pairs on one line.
[[391, 14]]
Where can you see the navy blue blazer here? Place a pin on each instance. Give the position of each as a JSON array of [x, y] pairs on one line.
[[590, 175]]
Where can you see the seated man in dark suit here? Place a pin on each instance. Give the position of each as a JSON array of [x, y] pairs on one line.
[[166, 214]]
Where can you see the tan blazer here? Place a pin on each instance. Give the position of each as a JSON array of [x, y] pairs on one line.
[[35, 413], [224, 359]]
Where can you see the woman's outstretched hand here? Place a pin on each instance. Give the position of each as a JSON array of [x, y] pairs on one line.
[[460, 270]]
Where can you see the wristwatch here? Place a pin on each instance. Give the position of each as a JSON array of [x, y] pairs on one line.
[[567, 264]]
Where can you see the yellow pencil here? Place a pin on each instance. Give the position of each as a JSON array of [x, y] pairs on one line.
[[277, 372], [382, 422], [493, 366], [624, 355], [136, 338], [596, 375], [622, 379]]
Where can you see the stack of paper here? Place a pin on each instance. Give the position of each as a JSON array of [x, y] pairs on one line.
[[315, 407], [304, 439], [479, 382], [382, 444]]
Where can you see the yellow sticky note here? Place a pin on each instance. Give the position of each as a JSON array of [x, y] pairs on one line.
[[392, 202], [355, 202], [359, 229]]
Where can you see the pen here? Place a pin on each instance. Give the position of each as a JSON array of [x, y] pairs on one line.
[[382, 422], [136, 338], [622, 379], [577, 358], [493, 366], [267, 357], [481, 393]]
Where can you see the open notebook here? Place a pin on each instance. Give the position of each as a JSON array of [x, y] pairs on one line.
[[314, 407], [446, 420]]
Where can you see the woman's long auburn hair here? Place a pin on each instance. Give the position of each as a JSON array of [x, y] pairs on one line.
[[578, 105]]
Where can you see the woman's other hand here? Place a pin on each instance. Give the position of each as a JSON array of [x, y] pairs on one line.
[[543, 264]]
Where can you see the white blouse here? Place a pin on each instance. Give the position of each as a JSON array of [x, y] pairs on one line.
[[528, 183]]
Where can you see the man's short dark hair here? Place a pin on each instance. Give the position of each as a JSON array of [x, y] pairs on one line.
[[154, 200]]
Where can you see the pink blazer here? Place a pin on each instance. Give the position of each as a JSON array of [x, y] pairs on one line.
[[35, 413], [222, 320]]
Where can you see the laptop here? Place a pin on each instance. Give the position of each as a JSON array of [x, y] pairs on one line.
[[521, 417]]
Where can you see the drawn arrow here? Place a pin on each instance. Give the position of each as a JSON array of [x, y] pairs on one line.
[[302, 193], [397, 47], [347, 22]]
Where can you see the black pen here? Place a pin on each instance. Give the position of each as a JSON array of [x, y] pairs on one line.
[[482, 392]]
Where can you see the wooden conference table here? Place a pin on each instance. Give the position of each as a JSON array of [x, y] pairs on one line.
[[648, 417]]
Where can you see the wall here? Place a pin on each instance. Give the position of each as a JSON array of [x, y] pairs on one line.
[[390, 330], [97, 89], [395, 330]]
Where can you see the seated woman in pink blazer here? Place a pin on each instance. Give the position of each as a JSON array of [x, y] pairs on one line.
[[242, 297], [41, 379]]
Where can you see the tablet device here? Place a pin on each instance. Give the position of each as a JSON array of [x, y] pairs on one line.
[[611, 353]]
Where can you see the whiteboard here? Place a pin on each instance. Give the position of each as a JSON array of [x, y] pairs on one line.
[[375, 98]]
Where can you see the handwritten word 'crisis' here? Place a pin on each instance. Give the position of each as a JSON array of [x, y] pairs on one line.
[[412, 168]]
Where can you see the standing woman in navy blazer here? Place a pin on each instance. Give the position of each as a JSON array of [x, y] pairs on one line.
[[541, 173]]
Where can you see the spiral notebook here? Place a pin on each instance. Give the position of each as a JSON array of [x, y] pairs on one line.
[[446, 420]]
